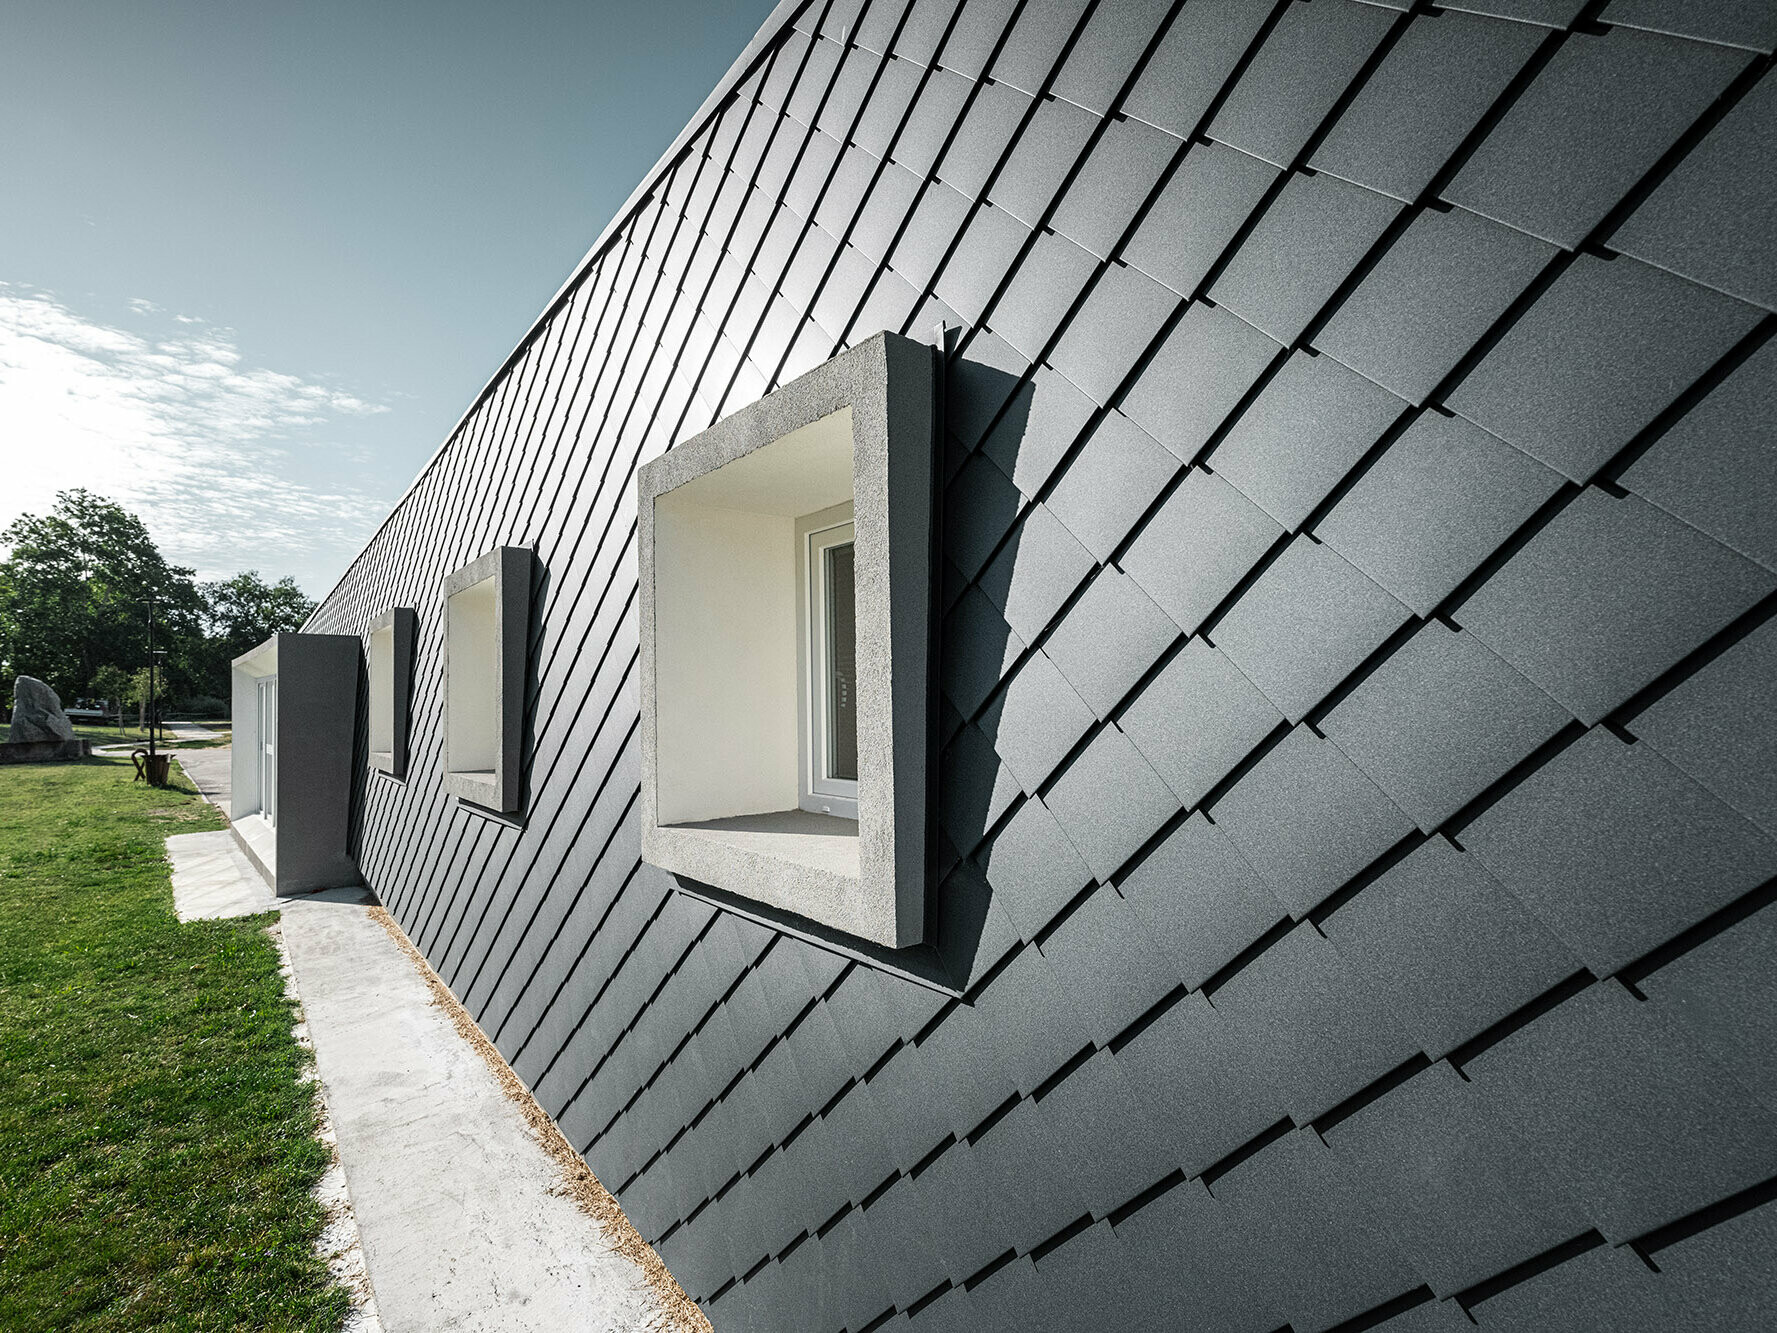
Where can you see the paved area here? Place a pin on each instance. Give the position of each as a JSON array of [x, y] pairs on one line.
[[211, 878], [454, 1196], [209, 773], [171, 736]]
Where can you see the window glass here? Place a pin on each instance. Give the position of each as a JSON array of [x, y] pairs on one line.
[[842, 663]]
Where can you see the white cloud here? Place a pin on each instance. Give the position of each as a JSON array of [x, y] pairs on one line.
[[206, 448]]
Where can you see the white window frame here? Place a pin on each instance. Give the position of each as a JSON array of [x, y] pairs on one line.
[[820, 793]]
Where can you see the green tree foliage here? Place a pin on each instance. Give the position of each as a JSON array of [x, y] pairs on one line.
[[242, 613], [73, 592], [74, 588]]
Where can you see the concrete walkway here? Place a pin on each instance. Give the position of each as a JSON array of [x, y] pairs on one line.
[[212, 879], [210, 773], [456, 1204], [171, 736]]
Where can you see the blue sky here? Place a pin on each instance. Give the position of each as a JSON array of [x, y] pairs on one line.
[[255, 259]]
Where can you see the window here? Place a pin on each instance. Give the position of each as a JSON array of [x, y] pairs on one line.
[[828, 714], [785, 584], [390, 654], [486, 627]]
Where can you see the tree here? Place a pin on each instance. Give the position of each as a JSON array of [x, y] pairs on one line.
[[73, 588], [240, 614], [246, 610], [112, 684]]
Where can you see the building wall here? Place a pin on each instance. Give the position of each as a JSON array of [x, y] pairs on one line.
[[1359, 724]]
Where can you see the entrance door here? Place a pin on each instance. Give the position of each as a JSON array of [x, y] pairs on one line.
[[268, 754]]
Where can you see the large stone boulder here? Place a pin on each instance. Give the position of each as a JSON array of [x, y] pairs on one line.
[[37, 713]]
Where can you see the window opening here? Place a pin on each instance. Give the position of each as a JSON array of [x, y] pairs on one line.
[[830, 713]]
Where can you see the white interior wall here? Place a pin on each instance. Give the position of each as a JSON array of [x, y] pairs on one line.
[[725, 661], [472, 737], [382, 691], [247, 671]]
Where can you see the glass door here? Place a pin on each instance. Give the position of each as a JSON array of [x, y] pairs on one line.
[[268, 754]]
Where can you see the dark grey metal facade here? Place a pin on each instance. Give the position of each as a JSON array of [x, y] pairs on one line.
[[1359, 773]]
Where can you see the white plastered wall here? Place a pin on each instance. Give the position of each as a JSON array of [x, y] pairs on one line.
[[382, 690], [471, 743]]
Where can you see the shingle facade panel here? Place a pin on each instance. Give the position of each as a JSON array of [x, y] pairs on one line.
[[1200, 900], [1197, 719], [1604, 352], [1311, 716], [1452, 1187], [1212, 192], [1296, 255], [1305, 625], [1719, 725], [1716, 467], [1305, 431], [1701, 221], [1452, 952], [1430, 299], [1438, 502], [1197, 547], [1440, 721], [1434, 86], [1594, 119], [1616, 850], [1306, 61], [1640, 1136], [1608, 596]]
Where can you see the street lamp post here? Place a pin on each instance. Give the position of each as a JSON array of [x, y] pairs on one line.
[[153, 690], [151, 656]]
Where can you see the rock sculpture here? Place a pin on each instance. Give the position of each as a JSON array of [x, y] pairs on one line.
[[37, 713]]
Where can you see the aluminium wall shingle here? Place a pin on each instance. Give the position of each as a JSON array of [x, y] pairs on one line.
[[1606, 349], [1430, 91], [1597, 117], [1606, 597], [1616, 850], [1299, 438], [1267, 915], [1453, 952]]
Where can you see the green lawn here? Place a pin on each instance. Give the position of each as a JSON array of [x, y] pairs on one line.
[[156, 1147]]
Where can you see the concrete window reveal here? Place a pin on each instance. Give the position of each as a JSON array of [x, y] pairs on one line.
[[390, 654], [786, 597], [486, 628]]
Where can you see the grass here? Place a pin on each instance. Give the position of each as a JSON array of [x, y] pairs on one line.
[[156, 1141]]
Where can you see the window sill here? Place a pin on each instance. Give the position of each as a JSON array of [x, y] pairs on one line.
[[794, 860], [479, 786]]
